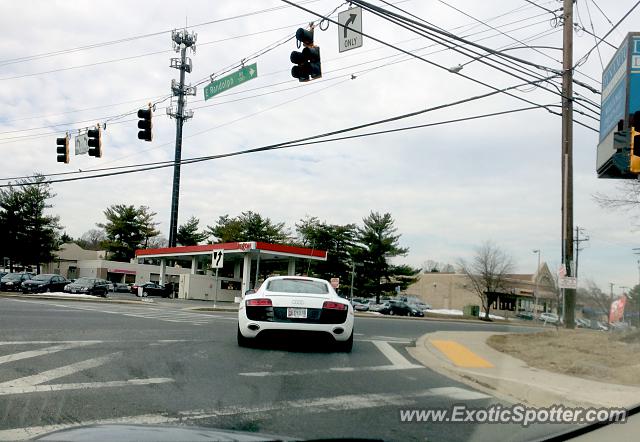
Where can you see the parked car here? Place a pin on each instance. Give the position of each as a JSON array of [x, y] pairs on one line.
[[400, 308], [285, 304], [360, 305], [88, 286], [151, 289], [420, 306], [12, 282], [373, 307], [583, 323], [44, 282], [525, 315], [549, 317], [121, 287]]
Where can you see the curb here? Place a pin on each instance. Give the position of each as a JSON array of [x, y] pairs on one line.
[[500, 386], [64, 298]]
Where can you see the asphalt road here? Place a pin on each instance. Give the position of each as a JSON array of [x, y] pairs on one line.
[[66, 363]]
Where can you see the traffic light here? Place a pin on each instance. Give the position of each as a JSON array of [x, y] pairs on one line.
[[63, 149], [145, 124], [634, 144], [307, 62], [94, 142]]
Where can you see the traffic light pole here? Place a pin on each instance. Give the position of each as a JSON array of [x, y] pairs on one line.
[[175, 194], [567, 159]]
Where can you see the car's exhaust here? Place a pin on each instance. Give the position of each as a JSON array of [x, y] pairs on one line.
[[338, 330], [253, 327]]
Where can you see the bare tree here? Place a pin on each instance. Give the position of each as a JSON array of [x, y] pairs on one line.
[[487, 273], [591, 296], [431, 266], [628, 196], [92, 239]]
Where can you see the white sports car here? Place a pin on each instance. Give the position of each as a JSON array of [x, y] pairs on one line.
[[296, 304]]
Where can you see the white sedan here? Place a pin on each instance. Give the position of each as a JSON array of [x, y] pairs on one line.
[[296, 304]]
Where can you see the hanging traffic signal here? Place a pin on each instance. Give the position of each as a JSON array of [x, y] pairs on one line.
[[145, 124], [307, 62], [94, 142], [63, 149], [634, 143]]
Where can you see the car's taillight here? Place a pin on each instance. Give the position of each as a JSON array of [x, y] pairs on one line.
[[334, 305], [260, 302]]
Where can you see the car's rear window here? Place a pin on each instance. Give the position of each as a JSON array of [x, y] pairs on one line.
[[297, 286]]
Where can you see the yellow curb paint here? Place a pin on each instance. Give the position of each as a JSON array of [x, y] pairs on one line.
[[460, 355]]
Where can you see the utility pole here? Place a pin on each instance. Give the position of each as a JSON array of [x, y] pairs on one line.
[[182, 40], [535, 293], [567, 159], [578, 248]]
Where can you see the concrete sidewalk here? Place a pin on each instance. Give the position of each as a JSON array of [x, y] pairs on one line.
[[466, 357]]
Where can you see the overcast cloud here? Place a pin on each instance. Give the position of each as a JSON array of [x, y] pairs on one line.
[[448, 187]]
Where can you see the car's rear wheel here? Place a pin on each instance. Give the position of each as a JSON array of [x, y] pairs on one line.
[[145, 294], [345, 346], [242, 341]]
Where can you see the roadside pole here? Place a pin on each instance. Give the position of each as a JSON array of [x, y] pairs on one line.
[[567, 159]]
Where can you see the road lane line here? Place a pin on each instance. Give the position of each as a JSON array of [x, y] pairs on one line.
[[310, 405], [330, 370], [460, 355], [55, 373], [45, 351], [81, 386], [392, 354]]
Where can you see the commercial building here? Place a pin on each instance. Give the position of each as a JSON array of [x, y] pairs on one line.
[[454, 291]]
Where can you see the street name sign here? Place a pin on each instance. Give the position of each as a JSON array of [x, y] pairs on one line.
[[349, 31], [232, 80]]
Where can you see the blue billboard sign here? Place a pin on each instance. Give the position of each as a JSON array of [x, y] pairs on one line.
[[614, 90]]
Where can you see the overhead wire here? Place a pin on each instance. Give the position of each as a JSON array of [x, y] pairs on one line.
[[398, 21], [357, 127], [260, 52], [285, 145]]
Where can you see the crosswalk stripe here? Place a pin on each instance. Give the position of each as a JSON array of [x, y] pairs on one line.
[[307, 405]]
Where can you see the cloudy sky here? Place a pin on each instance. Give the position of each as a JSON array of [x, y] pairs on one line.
[[449, 187]]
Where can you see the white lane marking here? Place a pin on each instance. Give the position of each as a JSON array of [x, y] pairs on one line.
[[55, 373], [459, 393], [34, 353], [310, 405], [80, 386], [330, 370], [392, 354]]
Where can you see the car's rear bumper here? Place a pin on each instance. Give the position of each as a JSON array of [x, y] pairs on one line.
[[251, 328]]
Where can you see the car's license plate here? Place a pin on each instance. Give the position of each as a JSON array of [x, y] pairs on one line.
[[299, 313]]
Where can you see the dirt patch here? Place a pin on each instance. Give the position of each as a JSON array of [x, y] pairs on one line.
[[589, 354]]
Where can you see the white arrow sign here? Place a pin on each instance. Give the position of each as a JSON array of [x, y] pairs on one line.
[[350, 29], [217, 259]]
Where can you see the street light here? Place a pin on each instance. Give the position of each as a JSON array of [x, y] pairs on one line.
[[535, 293]]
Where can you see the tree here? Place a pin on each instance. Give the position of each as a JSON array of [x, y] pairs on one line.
[[628, 196], [92, 239], [188, 233], [595, 302], [431, 266], [127, 229], [487, 273], [337, 240], [29, 235], [248, 226], [377, 242]]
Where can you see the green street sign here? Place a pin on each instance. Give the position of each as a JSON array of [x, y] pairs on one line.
[[222, 84]]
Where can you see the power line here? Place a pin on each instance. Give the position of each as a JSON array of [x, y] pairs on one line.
[[111, 117], [455, 48], [584, 58], [285, 145], [377, 122], [472, 25], [543, 8], [595, 37], [137, 37]]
